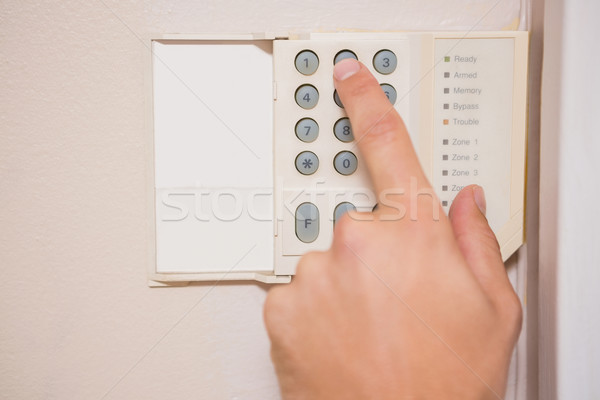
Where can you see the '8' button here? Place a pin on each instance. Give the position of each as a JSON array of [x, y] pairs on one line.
[[343, 130]]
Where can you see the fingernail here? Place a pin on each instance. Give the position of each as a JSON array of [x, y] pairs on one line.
[[345, 69], [479, 196]]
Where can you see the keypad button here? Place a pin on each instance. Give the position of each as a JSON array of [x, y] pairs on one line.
[[385, 62], [345, 163], [307, 130], [307, 96], [307, 222], [343, 55], [337, 100], [341, 209], [307, 62], [390, 92], [343, 130], [307, 163]]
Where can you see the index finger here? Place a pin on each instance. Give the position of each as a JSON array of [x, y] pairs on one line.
[[378, 129]]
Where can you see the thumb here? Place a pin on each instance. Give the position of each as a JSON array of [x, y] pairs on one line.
[[476, 240]]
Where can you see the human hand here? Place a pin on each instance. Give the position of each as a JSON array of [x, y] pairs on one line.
[[403, 305]]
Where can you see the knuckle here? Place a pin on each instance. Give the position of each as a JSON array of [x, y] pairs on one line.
[[485, 239], [275, 307], [515, 312], [309, 265], [382, 129], [347, 231], [511, 313], [425, 207], [271, 301]]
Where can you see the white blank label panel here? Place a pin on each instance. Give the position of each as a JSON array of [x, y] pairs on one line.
[[213, 152]]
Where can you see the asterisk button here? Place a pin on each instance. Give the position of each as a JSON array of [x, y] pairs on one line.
[[307, 163]]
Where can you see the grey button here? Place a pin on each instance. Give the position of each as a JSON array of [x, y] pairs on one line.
[[307, 96], [345, 162], [341, 209], [307, 222], [307, 163], [344, 54], [343, 130], [337, 100], [307, 130], [390, 92], [385, 62], [307, 62]]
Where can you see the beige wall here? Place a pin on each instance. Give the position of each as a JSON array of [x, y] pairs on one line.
[[77, 320], [569, 190]]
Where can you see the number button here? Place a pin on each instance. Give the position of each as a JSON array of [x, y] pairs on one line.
[[307, 222], [337, 99], [307, 163], [390, 92], [307, 62], [307, 96], [343, 130], [345, 162], [385, 62], [307, 130], [343, 55]]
